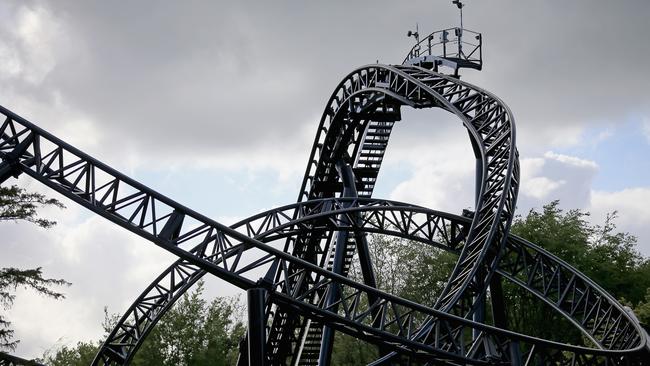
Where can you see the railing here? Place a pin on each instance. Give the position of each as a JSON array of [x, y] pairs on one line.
[[460, 46]]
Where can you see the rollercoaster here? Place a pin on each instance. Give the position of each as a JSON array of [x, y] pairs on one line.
[[294, 261]]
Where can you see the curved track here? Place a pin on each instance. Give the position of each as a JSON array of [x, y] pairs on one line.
[[550, 279], [346, 135], [301, 253], [377, 92]]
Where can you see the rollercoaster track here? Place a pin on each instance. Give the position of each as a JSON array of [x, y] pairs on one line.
[[9, 360], [28, 149], [343, 117], [375, 91], [528, 266], [161, 294]]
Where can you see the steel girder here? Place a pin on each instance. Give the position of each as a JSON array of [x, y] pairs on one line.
[[601, 319], [169, 224], [376, 90], [221, 252], [365, 96], [9, 360]]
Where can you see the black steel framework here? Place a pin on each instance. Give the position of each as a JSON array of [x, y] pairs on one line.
[[454, 48], [10, 360], [294, 261]]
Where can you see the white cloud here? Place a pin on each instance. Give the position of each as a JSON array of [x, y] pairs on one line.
[[645, 125], [231, 87], [438, 187], [541, 187], [569, 179], [571, 160], [632, 205], [31, 45], [555, 177], [439, 161], [107, 266]]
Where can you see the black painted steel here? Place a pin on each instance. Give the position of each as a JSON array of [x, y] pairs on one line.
[[10, 360], [490, 129], [455, 48], [294, 260], [256, 327], [544, 275]]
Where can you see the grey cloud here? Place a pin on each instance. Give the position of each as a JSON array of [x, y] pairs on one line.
[[556, 177], [185, 81], [209, 77]]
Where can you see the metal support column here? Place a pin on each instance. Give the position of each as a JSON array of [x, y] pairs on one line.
[[479, 313], [256, 327], [333, 295], [349, 191], [515, 354], [6, 171], [498, 306]]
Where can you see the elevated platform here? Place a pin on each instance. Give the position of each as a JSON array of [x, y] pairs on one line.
[[454, 48]]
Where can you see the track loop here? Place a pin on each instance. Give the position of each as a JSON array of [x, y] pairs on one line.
[[309, 245]]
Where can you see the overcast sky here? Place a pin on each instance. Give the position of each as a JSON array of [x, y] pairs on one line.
[[216, 104]]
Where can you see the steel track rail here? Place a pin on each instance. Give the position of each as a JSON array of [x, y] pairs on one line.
[[27, 148], [9, 360], [556, 283], [489, 122]]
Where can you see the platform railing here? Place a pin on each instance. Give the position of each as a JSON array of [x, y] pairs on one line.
[[460, 46]]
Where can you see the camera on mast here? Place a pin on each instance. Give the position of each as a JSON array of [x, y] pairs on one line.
[[415, 34]]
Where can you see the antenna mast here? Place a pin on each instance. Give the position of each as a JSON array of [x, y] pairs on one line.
[[460, 7]]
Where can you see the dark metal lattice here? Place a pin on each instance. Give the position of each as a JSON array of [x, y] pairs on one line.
[[10, 360], [297, 257]]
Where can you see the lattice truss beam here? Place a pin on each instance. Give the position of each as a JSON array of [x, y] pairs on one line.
[[345, 133], [295, 251], [551, 280]]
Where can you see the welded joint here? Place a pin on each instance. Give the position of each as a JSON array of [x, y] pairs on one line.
[[10, 166]]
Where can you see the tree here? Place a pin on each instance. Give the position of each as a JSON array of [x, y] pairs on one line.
[[642, 310], [80, 355], [608, 257], [194, 332], [198, 332], [418, 272], [408, 269], [18, 205], [83, 353]]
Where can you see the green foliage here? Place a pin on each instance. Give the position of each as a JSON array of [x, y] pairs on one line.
[[16, 204], [411, 270], [198, 332], [349, 351], [642, 310], [417, 272], [565, 234], [608, 257], [80, 355], [194, 332]]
